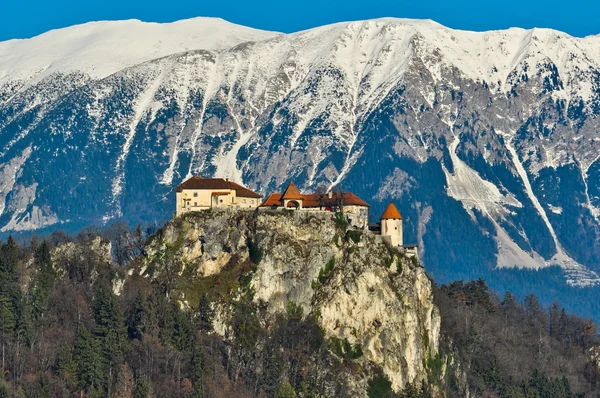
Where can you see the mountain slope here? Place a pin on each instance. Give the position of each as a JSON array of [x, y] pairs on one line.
[[488, 136]]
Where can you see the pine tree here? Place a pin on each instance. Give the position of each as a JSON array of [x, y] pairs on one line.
[[142, 389], [9, 259], [182, 330], [9, 275], [65, 368], [7, 325], [43, 282], [136, 318], [87, 360], [110, 330], [198, 369], [206, 314], [24, 326]]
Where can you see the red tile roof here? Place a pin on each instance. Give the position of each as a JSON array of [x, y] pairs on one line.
[[317, 200], [391, 212], [291, 192], [197, 182]]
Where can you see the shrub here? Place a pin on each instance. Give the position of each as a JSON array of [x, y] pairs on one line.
[[380, 387], [324, 272], [354, 235], [340, 221], [293, 310], [286, 391], [336, 239], [343, 348], [255, 252]]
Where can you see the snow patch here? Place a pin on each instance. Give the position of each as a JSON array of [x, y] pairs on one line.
[[103, 48], [468, 187]]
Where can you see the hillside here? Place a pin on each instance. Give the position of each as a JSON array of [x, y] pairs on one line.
[[489, 135], [269, 304]]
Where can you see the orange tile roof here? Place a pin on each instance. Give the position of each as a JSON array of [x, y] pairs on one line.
[[220, 193], [391, 212], [197, 182], [317, 200], [291, 192]]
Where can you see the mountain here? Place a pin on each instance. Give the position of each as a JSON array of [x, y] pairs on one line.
[[486, 141]]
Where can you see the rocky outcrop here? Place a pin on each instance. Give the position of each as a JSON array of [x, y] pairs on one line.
[[359, 288], [78, 260]]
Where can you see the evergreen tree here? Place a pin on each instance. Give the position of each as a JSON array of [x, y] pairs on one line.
[[142, 389], [87, 360], [136, 318], [182, 330], [7, 326], [24, 326], [43, 282], [9, 259], [198, 369], [65, 368], [7, 317], [9, 275], [206, 314], [110, 330]]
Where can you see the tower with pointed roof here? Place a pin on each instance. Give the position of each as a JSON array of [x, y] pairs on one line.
[[391, 225], [292, 198]]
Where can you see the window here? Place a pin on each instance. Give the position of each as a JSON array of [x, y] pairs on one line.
[[221, 200], [244, 201], [195, 194]]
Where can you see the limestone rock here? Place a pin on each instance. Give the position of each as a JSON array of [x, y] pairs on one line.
[[361, 289]]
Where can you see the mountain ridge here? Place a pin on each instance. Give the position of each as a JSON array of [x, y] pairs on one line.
[[492, 133]]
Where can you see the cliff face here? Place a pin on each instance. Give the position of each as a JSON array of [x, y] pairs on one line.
[[358, 287]]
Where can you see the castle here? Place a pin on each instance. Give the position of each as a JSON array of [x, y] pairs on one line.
[[356, 209], [197, 193]]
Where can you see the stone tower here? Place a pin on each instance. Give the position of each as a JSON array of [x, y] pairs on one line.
[[391, 225]]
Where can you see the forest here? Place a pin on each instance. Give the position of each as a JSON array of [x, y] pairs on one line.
[[65, 333]]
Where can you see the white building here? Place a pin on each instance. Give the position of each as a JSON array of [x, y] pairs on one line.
[[197, 193], [391, 225], [391, 228]]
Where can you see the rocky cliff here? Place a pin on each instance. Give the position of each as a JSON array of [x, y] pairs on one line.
[[361, 290]]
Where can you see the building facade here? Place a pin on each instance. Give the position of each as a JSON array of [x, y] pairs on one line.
[[356, 209], [197, 193]]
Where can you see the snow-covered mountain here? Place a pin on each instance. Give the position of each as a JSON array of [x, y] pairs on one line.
[[488, 142]]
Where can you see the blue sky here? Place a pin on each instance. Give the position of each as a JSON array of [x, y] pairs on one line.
[[26, 18]]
